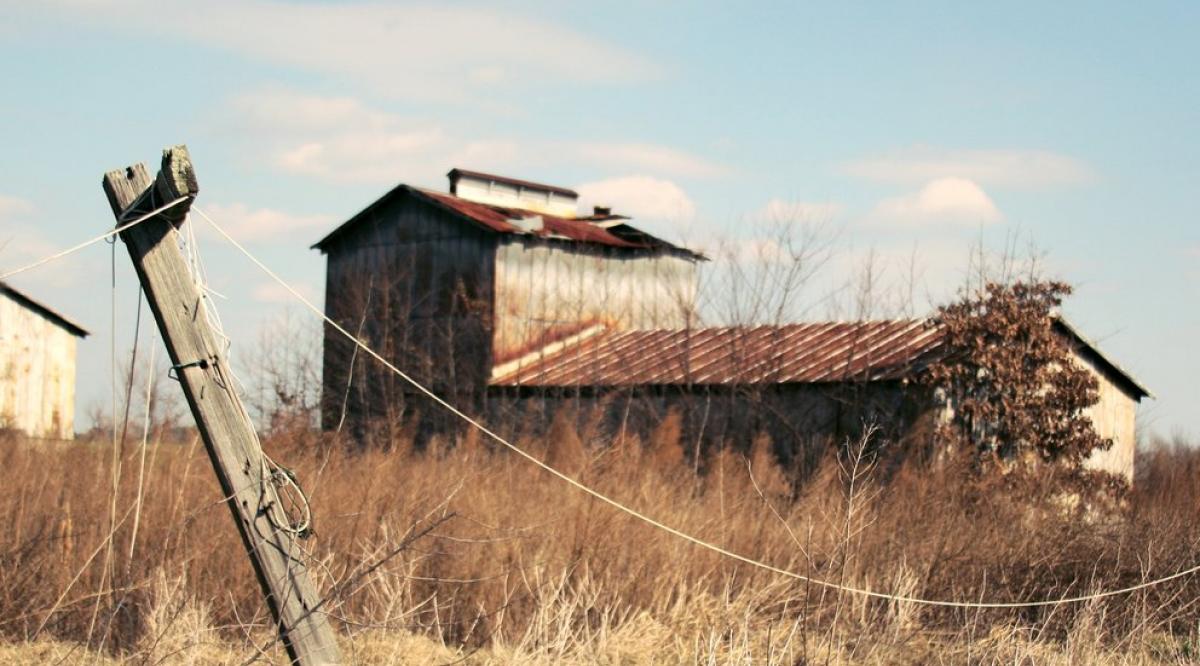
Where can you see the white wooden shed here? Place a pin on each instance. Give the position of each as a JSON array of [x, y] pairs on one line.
[[37, 367]]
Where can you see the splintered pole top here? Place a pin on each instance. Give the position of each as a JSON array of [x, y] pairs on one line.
[[130, 191]]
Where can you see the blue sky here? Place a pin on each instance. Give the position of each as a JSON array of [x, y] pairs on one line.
[[926, 125]]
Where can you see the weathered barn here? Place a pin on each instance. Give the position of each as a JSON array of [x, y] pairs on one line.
[[501, 297], [37, 367], [448, 285], [802, 385]]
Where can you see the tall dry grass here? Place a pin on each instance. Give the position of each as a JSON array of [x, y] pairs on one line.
[[466, 553]]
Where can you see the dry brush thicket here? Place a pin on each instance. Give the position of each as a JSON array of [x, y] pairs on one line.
[[467, 553]]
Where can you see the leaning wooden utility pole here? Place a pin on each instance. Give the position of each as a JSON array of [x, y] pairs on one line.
[[203, 370]]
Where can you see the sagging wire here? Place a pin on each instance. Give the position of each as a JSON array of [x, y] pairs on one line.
[[634, 513]]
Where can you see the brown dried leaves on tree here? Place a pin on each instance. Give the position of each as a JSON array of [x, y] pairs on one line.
[[1016, 396]]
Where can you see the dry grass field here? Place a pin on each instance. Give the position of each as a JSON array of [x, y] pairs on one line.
[[464, 554]]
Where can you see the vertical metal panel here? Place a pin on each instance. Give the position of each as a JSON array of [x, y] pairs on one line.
[[549, 290], [423, 281]]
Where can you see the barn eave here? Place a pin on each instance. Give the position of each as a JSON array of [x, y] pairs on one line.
[[56, 318]]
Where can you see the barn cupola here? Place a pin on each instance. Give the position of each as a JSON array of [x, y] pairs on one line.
[[508, 192]]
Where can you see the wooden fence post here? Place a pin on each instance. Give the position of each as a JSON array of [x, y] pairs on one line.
[[201, 365]]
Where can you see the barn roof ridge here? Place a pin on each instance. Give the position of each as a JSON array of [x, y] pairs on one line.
[[795, 353], [61, 320], [615, 233]]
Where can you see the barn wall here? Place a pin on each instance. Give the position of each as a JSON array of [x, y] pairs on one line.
[[1114, 416], [802, 420], [419, 283], [37, 373], [545, 290]]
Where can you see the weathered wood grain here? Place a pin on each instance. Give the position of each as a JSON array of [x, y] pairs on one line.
[[194, 348]]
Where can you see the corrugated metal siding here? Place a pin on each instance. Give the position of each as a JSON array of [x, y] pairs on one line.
[[37, 373], [547, 291], [800, 353], [423, 280]]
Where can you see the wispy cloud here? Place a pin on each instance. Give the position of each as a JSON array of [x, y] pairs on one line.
[[943, 200], [990, 168], [248, 224], [342, 139], [438, 51], [338, 139]]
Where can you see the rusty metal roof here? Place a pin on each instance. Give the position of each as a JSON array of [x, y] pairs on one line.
[[603, 230], [500, 218], [798, 353], [792, 354], [56, 318]]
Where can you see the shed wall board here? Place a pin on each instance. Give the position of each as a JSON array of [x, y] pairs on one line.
[[1114, 416], [37, 373]]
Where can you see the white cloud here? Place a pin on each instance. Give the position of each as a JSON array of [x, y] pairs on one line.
[[639, 196], [783, 210], [991, 168], [431, 51], [247, 224], [956, 200]]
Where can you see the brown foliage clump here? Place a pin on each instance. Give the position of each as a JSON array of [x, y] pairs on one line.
[[1015, 394]]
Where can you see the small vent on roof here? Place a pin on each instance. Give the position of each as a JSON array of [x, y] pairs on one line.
[[602, 211], [532, 224]]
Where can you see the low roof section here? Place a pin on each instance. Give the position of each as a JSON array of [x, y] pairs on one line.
[[607, 230], [821, 352], [59, 320]]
